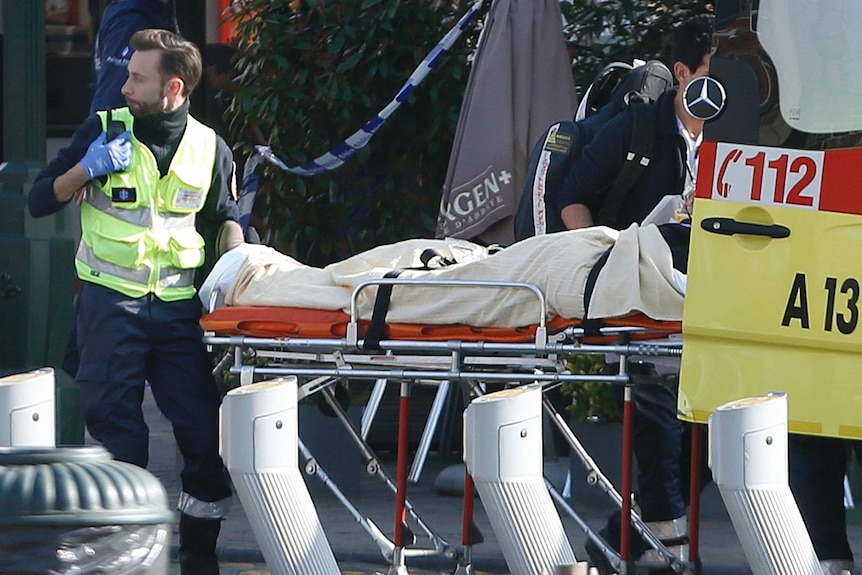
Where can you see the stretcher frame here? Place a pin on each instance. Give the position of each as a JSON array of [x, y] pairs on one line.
[[322, 362]]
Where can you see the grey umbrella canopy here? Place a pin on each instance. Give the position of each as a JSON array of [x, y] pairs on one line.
[[520, 83]]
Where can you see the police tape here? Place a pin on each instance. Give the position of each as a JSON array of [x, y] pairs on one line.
[[338, 156]]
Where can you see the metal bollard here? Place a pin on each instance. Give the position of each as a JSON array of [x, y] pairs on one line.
[[76, 510], [503, 453], [748, 457]]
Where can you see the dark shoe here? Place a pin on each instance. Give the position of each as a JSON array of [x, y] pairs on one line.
[[197, 554], [597, 558]]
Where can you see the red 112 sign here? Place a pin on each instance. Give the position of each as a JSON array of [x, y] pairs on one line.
[[767, 176]]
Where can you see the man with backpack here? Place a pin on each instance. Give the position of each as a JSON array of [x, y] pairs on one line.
[[617, 87], [582, 201], [672, 168]]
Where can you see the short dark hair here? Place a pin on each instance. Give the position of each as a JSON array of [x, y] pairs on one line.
[[692, 40], [179, 56]]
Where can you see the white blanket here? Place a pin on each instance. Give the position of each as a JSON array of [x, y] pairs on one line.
[[638, 277]]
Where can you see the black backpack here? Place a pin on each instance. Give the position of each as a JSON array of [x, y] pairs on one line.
[[617, 86]]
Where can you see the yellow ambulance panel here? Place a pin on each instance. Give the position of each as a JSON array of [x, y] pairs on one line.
[[774, 298]]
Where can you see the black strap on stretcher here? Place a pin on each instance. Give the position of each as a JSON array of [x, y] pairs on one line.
[[676, 236], [377, 329], [592, 327]]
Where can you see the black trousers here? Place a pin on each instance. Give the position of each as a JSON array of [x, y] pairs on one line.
[[817, 469], [662, 447], [125, 343]]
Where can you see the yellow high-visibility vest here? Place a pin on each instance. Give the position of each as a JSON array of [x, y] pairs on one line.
[[138, 231]]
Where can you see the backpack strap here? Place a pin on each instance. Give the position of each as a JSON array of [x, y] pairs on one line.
[[637, 159]]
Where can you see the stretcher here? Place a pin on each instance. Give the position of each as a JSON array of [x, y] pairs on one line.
[[326, 347]]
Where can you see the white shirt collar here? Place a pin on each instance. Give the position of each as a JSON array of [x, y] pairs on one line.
[[692, 145]]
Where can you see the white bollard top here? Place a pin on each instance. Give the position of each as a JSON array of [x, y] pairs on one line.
[[506, 422], [259, 426], [27, 409], [748, 442]]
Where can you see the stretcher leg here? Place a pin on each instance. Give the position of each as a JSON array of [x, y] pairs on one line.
[[596, 477], [312, 468], [465, 561], [373, 404], [429, 431], [370, 411], [694, 497], [401, 464], [373, 467]]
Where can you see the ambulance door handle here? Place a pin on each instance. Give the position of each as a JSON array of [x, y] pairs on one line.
[[729, 227]]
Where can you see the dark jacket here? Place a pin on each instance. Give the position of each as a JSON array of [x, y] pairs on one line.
[[160, 134], [594, 172], [111, 55]]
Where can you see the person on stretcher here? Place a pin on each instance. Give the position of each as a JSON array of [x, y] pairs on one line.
[[638, 275]]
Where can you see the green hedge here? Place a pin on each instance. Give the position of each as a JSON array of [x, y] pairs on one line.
[[311, 76], [603, 31]]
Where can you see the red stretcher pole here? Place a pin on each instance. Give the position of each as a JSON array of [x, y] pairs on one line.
[[694, 494], [401, 471], [467, 521]]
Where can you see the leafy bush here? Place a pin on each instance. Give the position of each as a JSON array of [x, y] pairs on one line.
[[593, 401], [603, 31], [310, 73]]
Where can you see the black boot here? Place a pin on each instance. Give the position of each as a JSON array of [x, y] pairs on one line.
[[197, 553]]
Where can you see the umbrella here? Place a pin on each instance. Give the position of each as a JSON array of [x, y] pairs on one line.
[[521, 83]]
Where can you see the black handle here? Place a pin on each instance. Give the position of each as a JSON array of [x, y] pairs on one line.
[[729, 227]]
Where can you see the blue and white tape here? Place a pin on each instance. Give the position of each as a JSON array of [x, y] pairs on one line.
[[338, 155]]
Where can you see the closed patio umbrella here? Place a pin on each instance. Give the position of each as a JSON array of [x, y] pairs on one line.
[[521, 83]]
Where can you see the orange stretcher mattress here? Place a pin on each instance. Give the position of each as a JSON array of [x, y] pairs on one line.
[[312, 323]]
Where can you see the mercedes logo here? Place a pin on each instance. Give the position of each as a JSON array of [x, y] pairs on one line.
[[704, 98]]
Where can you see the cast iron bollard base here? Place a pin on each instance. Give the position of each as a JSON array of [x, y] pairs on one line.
[[76, 510]]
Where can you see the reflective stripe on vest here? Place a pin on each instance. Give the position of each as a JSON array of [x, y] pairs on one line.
[[138, 228]]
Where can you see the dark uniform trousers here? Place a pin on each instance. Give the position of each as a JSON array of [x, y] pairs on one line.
[[662, 447], [817, 466], [125, 343]]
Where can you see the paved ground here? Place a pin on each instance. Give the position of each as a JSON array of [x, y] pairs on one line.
[[356, 552]]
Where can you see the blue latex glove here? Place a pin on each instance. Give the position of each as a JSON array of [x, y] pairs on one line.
[[108, 157]]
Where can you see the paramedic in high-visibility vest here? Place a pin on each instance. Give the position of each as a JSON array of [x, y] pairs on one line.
[[156, 189]]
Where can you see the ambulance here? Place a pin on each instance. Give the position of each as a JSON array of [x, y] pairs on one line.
[[774, 298]]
